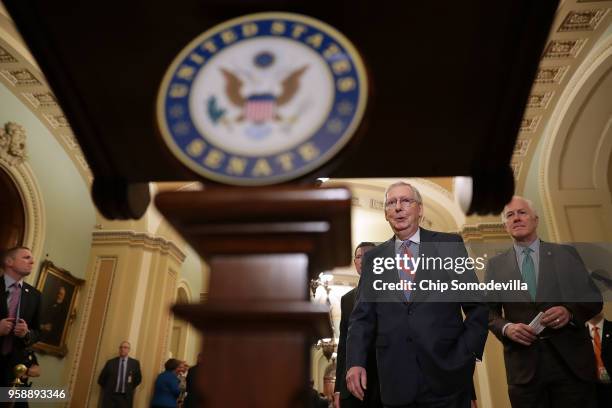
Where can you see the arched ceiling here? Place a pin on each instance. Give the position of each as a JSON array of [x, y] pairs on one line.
[[578, 25], [21, 75]]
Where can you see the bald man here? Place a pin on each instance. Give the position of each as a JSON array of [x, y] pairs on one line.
[[119, 379]]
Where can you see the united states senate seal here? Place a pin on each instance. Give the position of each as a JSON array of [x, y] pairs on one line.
[[262, 99]]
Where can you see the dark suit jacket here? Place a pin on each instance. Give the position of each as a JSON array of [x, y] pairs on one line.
[[108, 377], [562, 278], [192, 399], [29, 310], [426, 339], [347, 303]]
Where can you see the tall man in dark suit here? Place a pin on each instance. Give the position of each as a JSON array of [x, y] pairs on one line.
[[19, 311], [425, 350], [193, 398], [342, 396], [555, 368], [601, 336], [119, 378]]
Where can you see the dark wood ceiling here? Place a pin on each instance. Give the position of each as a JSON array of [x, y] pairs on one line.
[[449, 80]]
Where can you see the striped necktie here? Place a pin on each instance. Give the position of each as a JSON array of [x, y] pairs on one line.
[[602, 373], [406, 273]]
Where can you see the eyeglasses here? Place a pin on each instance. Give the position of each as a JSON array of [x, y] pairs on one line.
[[404, 202]]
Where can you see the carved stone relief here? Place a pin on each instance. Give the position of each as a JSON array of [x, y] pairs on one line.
[[13, 143]]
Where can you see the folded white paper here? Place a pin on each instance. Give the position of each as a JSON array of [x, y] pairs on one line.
[[536, 324]]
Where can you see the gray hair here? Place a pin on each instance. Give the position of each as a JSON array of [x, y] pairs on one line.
[[529, 204], [415, 192]]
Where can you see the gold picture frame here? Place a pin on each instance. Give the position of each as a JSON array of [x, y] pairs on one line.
[[59, 290]]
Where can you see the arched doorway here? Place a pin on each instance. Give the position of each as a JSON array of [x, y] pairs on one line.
[[575, 165], [180, 329], [12, 213]]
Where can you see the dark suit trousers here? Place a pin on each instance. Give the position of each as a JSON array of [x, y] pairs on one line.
[[115, 400], [604, 395], [554, 385], [7, 367], [427, 399], [353, 402]]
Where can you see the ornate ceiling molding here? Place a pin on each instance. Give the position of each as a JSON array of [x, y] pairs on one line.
[[25, 80], [138, 239], [19, 170], [571, 102], [578, 26]]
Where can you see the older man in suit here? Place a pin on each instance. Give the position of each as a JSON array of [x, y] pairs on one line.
[[119, 379], [19, 311], [342, 396], [425, 349], [554, 367]]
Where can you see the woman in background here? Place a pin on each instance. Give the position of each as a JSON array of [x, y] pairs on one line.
[[167, 390]]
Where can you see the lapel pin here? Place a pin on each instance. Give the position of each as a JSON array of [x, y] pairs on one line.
[[549, 253], [27, 290], [607, 335]]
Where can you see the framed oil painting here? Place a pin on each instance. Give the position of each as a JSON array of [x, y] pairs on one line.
[[59, 291]]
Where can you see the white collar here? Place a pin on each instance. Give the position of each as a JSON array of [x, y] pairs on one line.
[[598, 325], [416, 237]]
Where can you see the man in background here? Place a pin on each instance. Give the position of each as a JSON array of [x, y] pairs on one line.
[[119, 379], [19, 311], [193, 400], [342, 396]]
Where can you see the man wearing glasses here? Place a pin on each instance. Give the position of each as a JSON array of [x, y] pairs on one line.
[[425, 349]]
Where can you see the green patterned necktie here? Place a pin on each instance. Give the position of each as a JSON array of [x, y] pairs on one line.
[[528, 270]]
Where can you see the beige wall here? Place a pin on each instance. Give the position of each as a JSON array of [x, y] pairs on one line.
[[139, 289]]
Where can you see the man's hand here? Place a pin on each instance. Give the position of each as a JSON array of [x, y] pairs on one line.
[[556, 317], [336, 400], [356, 381], [521, 333], [6, 325], [33, 371], [21, 329]]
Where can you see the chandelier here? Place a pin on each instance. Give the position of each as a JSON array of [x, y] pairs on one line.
[[323, 281], [328, 346]]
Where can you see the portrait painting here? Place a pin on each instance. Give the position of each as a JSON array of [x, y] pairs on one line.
[[59, 291]]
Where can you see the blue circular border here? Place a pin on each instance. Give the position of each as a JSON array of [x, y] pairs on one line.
[[176, 113]]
